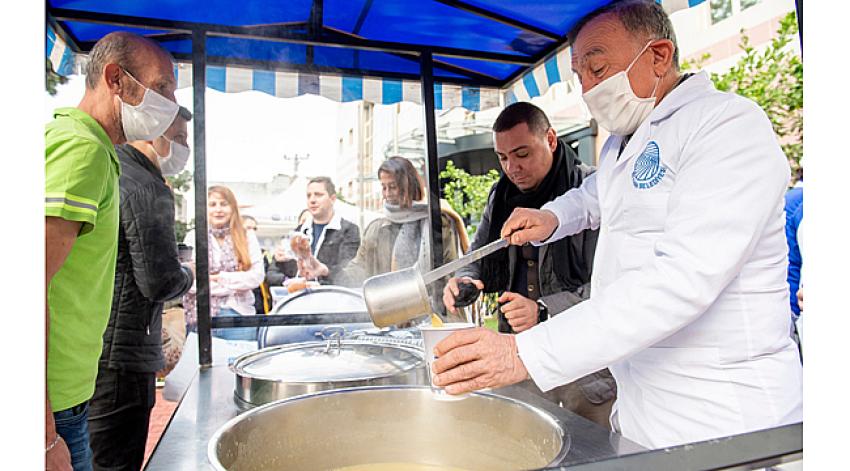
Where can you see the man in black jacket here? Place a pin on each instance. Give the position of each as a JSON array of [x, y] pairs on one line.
[[536, 282], [333, 240], [147, 273]]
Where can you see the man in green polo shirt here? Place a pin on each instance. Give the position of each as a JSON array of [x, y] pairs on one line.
[[129, 96]]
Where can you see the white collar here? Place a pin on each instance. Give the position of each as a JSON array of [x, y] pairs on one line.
[[699, 83], [335, 223]]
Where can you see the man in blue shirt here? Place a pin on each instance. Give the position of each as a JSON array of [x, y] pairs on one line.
[[793, 216]]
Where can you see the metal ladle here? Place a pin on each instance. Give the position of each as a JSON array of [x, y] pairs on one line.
[[399, 296]]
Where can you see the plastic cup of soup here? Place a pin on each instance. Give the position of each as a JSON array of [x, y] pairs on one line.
[[431, 336]]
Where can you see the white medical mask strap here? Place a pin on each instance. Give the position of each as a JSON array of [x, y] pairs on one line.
[[134, 78], [137, 82], [655, 88], [638, 55], [170, 148]]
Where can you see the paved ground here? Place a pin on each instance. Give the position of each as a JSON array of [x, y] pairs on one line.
[[160, 416]]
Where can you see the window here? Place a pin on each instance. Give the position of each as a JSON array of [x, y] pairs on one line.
[[720, 10], [748, 3]]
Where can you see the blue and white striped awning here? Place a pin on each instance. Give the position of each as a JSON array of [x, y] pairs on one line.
[[537, 82], [341, 87], [558, 68], [61, 56], [338, 87], [292, 84]]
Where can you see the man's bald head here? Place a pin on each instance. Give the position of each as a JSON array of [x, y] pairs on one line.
[[122, 66], [130, 51]]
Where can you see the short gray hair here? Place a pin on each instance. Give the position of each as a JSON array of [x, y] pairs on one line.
[[639, 17], [118, 47]]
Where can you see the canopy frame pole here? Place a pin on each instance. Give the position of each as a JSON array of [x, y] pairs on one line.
[[482, 78], [199, 87], [367, 5], [314, 27], [799, 5], [432, 164], [505, 20], [63, 14]]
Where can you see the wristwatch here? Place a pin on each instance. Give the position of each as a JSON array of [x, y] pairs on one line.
[[542, 310]]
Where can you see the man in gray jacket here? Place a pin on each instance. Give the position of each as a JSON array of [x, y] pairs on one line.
[[535, 282]]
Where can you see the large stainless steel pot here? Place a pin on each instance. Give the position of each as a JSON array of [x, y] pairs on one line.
[[390, 425], [285, 371]]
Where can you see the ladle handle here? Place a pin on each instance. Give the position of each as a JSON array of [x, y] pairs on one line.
[[471, 257]]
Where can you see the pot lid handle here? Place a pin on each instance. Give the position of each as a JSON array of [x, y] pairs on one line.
[[333, 334]]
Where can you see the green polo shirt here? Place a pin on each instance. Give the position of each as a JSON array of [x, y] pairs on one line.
[[81, 184]]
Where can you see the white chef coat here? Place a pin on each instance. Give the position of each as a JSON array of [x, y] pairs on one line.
[[689, 299]]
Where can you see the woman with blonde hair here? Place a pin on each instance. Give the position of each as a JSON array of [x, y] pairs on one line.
[[235, 264]]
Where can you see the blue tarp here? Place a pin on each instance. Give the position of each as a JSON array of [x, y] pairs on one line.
[[534, 32]]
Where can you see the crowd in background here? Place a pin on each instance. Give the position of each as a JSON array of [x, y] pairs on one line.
[[112, 260]]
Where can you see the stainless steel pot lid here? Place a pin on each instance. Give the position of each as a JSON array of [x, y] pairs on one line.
[[334, 360]]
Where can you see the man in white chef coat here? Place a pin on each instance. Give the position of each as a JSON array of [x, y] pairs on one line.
[[689, 304]]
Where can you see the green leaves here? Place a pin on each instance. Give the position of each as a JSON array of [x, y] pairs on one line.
[[180, 184], [182, 228], [773, 78], [467, 194], [51, 78]]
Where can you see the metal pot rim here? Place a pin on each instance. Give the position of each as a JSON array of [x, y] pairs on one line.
[[239, 362], [543, 414]]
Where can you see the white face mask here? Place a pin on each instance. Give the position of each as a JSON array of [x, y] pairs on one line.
[[615, 106], [150, 118], [174, 162]]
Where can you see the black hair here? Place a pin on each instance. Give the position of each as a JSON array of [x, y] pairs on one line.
[[522, 112], [184, 113]]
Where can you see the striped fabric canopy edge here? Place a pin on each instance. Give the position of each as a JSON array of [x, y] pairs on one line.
[[282, 84], [343, 88]]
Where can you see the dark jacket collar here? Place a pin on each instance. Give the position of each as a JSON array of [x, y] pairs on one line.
[[133, 155]]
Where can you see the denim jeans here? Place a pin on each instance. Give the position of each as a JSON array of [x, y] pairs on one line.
[[73, 427], [235, 333]]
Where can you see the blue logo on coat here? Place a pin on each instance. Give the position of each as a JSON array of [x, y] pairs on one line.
[[648, 170]]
